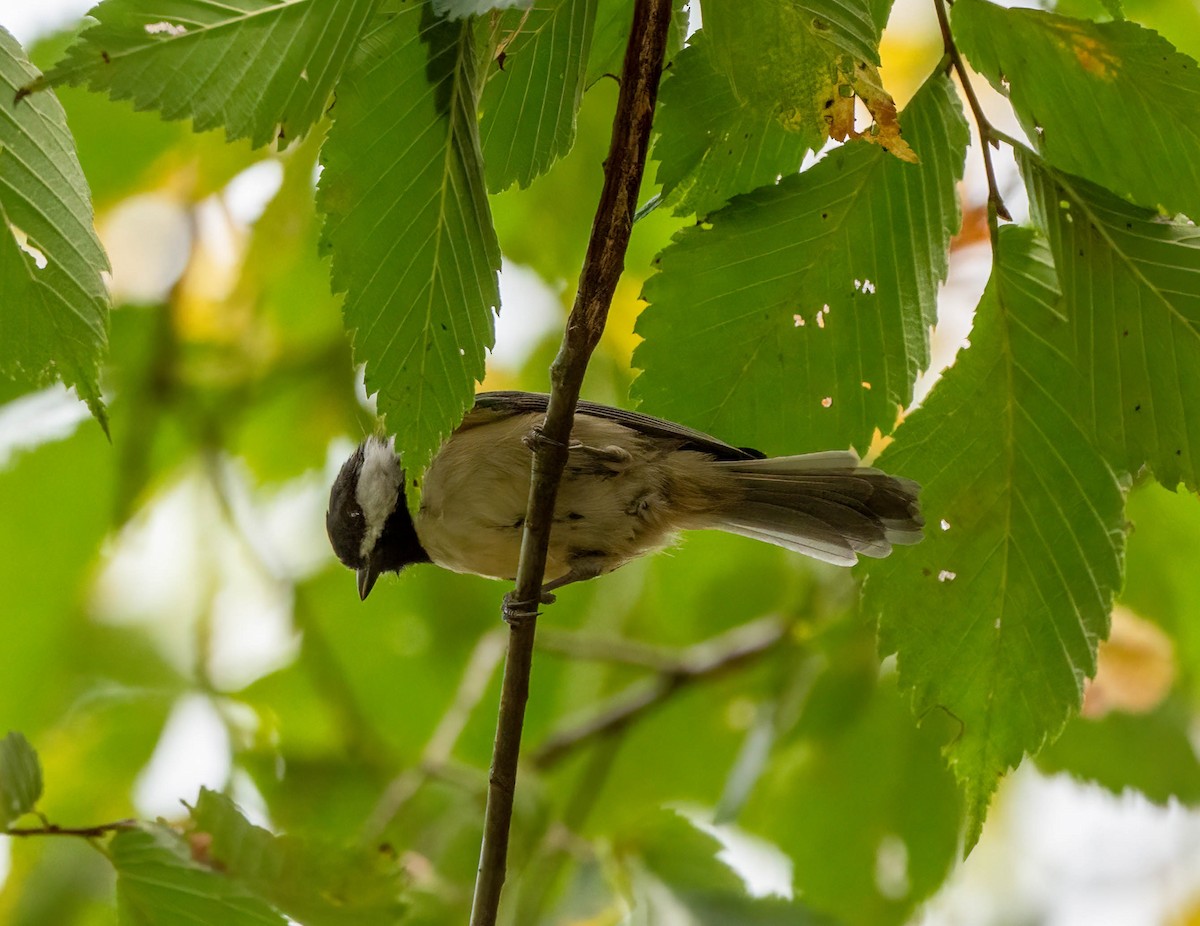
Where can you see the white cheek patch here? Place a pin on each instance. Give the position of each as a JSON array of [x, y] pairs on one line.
[[378, 489]]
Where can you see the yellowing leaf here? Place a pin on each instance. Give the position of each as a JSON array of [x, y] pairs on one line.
[[886, 130], [805, 61], [860, 80], [1113, 102]]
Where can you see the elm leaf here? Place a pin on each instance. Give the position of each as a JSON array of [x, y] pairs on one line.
[[1131, 289], [408, 222], [263, 69], [54, 309], [997, 615], [1113, 102]]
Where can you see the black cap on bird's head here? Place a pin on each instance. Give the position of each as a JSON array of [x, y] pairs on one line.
[[368, 521]]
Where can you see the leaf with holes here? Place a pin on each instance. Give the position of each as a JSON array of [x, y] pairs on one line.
[[997, 614], [530, 101], [54, 311], [409, 226], [806, 311], [1113, 102], [1131, 288], [263, 69]]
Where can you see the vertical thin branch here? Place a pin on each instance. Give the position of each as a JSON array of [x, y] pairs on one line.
[[602, 267]]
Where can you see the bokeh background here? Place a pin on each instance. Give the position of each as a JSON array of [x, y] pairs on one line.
[[173, 618]]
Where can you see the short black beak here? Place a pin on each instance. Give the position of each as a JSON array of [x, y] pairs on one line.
[[366, 580]]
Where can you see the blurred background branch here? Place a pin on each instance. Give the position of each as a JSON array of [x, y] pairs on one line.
[[724, 653]]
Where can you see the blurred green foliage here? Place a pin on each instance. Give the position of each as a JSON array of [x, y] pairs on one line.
[[182, 567]]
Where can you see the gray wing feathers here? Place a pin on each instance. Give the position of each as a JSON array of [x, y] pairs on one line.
[[829, 461], [491, 405], [824, 505]]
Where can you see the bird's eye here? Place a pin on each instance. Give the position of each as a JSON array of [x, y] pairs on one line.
[[356, 515]]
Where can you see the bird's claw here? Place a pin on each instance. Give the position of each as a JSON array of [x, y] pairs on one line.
[[516, 611], [537, 438]]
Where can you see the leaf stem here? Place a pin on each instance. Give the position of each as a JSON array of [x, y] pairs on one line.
[[1007, 139], [988, 138], [602, 268]]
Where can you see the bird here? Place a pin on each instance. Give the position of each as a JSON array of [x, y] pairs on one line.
[[631, 484]]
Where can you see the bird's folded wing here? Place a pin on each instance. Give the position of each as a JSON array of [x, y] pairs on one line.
[[490, 406]]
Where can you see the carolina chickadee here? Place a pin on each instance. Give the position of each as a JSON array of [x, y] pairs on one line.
[[631, 483]]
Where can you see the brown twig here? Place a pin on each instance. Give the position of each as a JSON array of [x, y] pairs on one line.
[[702, 660], [598, 278], [87, 832], [987, 136]]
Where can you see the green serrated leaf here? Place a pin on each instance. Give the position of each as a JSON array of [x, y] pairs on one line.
[[710, 145], [869, 815], [1113, 102], [997, 614], [408, 222], [530, 101], [54, 309], [20, 778], [1131, 289], [807, 313], [317, 884], [160, 884], [262, 69], [1151, 753], [1179, 22]]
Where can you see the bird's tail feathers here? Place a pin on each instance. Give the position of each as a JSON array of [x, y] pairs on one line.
[[824, 505]]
